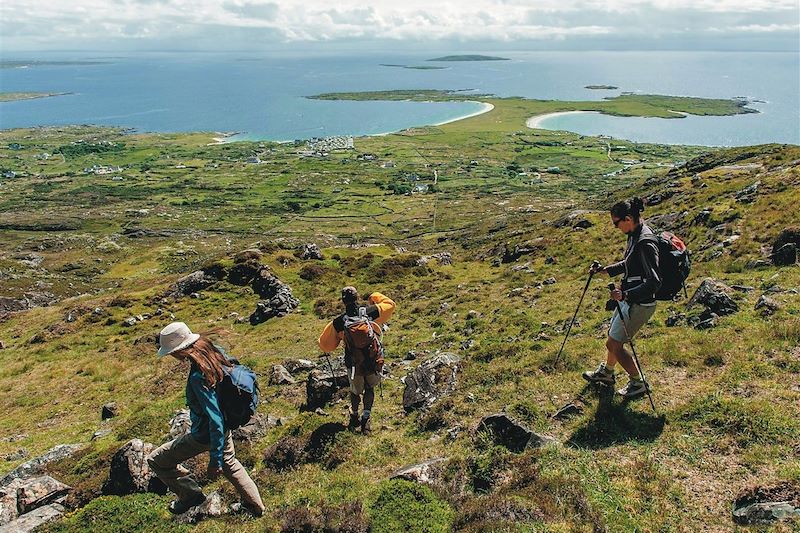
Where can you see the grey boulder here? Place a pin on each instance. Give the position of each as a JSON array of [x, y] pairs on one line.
[[130, 472], [507, 432], [434, 378]]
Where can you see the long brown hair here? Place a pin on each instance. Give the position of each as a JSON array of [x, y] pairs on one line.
[[208, 359]]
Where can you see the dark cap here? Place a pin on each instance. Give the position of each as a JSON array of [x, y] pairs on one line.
[[349, 294]]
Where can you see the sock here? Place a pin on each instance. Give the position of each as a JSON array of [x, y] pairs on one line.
[[610, 367]]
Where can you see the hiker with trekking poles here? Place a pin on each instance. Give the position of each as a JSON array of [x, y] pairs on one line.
[[361, 329], [655, 267], [221, 395]]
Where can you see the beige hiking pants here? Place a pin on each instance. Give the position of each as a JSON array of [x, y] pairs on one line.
[[165, 462]]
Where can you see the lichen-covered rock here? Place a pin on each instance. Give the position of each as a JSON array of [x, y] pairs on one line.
[[713, 294], [256, 428], [324, 381], [428, 472], [433, 379], [278, 299], [767, 305], [764, 505], [212, 507], [38, 517], [130, 472], [280, 376], [310, 251], [180, 424], [194, 282], [22, 496], [299, 365], [37, 464]]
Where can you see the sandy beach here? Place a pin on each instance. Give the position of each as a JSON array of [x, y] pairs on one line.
[[535, 121], [486, 108]]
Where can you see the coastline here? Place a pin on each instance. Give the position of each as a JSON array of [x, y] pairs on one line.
[[486, 108], [225, 138], [535, 121]]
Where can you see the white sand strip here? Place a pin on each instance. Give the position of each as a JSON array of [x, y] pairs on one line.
[[485, 109], [535, 121]]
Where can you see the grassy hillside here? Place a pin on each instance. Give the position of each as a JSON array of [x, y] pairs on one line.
[[105, 249]]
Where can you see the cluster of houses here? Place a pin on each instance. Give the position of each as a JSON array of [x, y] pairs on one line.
[[327, 144], [102, 169]]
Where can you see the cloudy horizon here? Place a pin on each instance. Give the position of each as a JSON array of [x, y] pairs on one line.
[[131, 25]]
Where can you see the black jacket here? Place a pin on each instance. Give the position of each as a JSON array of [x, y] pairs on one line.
[[640, 266]]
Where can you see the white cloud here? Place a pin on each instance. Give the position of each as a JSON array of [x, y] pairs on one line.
[[58, 23]]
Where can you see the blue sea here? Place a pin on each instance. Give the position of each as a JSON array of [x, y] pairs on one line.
[[262, 96]]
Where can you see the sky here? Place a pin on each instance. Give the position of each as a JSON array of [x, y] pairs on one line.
[[461, 25]]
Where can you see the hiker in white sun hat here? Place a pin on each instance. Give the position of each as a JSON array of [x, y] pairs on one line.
[[209, 366], [174, 337]]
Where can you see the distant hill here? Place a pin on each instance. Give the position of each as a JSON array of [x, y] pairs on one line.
[[469, 58]]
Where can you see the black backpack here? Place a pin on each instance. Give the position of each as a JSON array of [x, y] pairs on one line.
[[238, 395], [674, 264]]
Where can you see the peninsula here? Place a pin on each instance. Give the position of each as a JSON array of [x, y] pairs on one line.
[[12, 97]]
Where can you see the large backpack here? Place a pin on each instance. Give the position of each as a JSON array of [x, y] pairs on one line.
[[674, 264], [362, 345], [238, 395]]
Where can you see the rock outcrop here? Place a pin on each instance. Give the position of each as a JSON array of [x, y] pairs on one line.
[[130, 472], [277, 297], [21, 497], [433, 379], [429, 472], [713, 295], [324, 381], [280, 376], [507, 432], [38, 464], [309, 251]]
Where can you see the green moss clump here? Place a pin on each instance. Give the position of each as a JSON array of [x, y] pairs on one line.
[[404, 506], [111, 514]]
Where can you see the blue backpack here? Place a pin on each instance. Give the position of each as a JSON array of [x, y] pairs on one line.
[[238, 395]]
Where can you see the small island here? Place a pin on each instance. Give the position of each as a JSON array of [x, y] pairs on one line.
[[601, 87], [469, 58], [413, 67], [13, 97]]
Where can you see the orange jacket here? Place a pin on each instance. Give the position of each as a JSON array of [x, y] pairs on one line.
[[331, 338]]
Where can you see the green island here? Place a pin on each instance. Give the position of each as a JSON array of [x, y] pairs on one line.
[[513, 110], [601, 87], [482, 231], [469, 57], [12, 97]]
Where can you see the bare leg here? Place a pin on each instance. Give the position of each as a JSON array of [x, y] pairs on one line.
[[618, 354]]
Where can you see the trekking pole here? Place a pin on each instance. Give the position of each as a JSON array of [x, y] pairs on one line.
[[330, 365], [595, 264], [611, 287]]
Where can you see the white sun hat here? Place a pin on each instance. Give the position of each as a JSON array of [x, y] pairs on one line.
[[174, 337]]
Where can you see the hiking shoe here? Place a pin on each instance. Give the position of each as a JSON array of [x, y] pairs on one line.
[[600, 375], [634, 389], [366, 426], [353, 424], [179, 507]]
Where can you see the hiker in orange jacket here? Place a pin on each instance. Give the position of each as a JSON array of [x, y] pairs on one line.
[[363, 379]]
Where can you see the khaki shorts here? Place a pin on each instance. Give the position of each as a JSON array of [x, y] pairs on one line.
[[357, 383], [636, 316]]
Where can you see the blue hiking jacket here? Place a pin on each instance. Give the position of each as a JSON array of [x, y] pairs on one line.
[[208, 425]]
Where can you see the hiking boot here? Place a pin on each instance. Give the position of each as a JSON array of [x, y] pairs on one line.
[[366, 426], [353, 424], [600, 375], [634, 389], [244, 509], [179, 507]]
